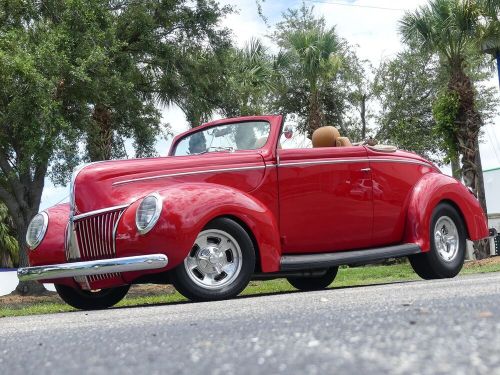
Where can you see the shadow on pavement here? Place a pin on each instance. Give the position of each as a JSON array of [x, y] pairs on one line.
[[256, 295]]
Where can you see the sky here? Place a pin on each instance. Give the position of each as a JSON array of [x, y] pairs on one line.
[[371, 25]]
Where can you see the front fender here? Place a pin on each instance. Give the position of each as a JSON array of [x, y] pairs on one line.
[[52, 249], [187, 208], [429, 191]]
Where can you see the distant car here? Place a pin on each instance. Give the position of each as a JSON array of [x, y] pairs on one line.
[[229, 204]]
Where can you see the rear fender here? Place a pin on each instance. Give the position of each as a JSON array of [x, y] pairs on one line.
[[429, 191], [187, 209]]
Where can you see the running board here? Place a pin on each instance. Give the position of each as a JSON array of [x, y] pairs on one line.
[[324, 260]]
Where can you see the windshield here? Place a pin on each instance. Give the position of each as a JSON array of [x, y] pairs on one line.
[[225, 138]]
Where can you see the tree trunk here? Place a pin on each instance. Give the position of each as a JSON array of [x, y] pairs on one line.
[[468, 124], [481, 194], [100, 134], [315, 120], [498, 66], [482, 247], [363, 117], [456, 171]]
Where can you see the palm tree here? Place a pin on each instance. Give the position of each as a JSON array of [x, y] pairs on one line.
[[317, 52], [490, 30], [251, 81], [449, 29]]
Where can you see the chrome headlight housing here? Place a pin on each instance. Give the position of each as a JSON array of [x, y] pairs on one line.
[[36, 230], [148, 213]]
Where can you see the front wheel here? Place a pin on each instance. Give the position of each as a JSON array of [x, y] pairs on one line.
[[219, 265], [91, 300], [309, 283], [448, 241]]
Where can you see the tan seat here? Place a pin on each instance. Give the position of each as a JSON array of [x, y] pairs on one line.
[[343, 142], [325, 136], [259, 143], [329, 136]]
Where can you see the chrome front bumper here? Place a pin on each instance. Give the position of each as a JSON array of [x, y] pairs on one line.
[[94, 267]]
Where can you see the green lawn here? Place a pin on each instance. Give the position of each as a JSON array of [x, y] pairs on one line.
[[345, 278]]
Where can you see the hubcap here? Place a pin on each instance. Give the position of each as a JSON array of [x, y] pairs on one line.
[[215, 259], [446, 238]]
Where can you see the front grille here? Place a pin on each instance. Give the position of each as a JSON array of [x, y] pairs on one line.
[[94, 278], [95, 235]]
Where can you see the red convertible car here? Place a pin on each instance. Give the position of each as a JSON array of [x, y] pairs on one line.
[[231, 202]]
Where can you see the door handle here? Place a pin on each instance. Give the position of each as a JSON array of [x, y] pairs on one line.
[[366, 169]]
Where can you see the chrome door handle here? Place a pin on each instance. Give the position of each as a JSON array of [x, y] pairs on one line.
[[366, 169]]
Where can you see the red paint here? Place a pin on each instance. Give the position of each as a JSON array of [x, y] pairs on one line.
[[325, 207], [316, 200], [432, 189], [51, 249]]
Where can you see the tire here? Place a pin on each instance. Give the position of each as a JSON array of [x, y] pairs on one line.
[[219, 265], [314, 282], [444, 260], [88, 300]]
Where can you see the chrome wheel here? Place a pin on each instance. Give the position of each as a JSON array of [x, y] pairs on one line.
[[215, 259], [446, 238]]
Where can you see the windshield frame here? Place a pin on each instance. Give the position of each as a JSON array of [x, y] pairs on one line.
[[225, 122]]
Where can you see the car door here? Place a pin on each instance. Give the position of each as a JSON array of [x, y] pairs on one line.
[[325, 199]]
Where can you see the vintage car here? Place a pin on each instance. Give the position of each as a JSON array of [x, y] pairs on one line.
[[233, 202]]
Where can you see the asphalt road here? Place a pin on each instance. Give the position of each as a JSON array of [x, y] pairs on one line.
[[426, 327]]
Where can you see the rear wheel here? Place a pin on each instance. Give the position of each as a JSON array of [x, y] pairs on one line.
[[314, 282], [91, 300], [219, 265], [448, 241]]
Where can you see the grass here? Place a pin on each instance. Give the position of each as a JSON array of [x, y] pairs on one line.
[[156, 295]]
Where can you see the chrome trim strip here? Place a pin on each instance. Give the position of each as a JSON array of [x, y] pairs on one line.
[[316, 162], [355, 160], [100, 211], [115, 229], [95, 267], [319, 162], [187, 174], [402, 161]]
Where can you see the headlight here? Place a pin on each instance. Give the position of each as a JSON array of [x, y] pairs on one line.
[[36, 230], [147, 213]]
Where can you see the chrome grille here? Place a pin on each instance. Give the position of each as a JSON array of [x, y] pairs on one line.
[[95, 234], [94, 278]]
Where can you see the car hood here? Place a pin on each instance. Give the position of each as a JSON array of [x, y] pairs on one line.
[[112, 183]]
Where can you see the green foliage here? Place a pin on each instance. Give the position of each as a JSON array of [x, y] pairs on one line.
[[251, 76], [9, 248], [80, 77], [448, 27], [489, 29], [451, 30], [445, 111], [405, 88], [310, 60]]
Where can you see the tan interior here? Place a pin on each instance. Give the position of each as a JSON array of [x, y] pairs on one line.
[[260, 142], [329, 136], [343, 142]]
